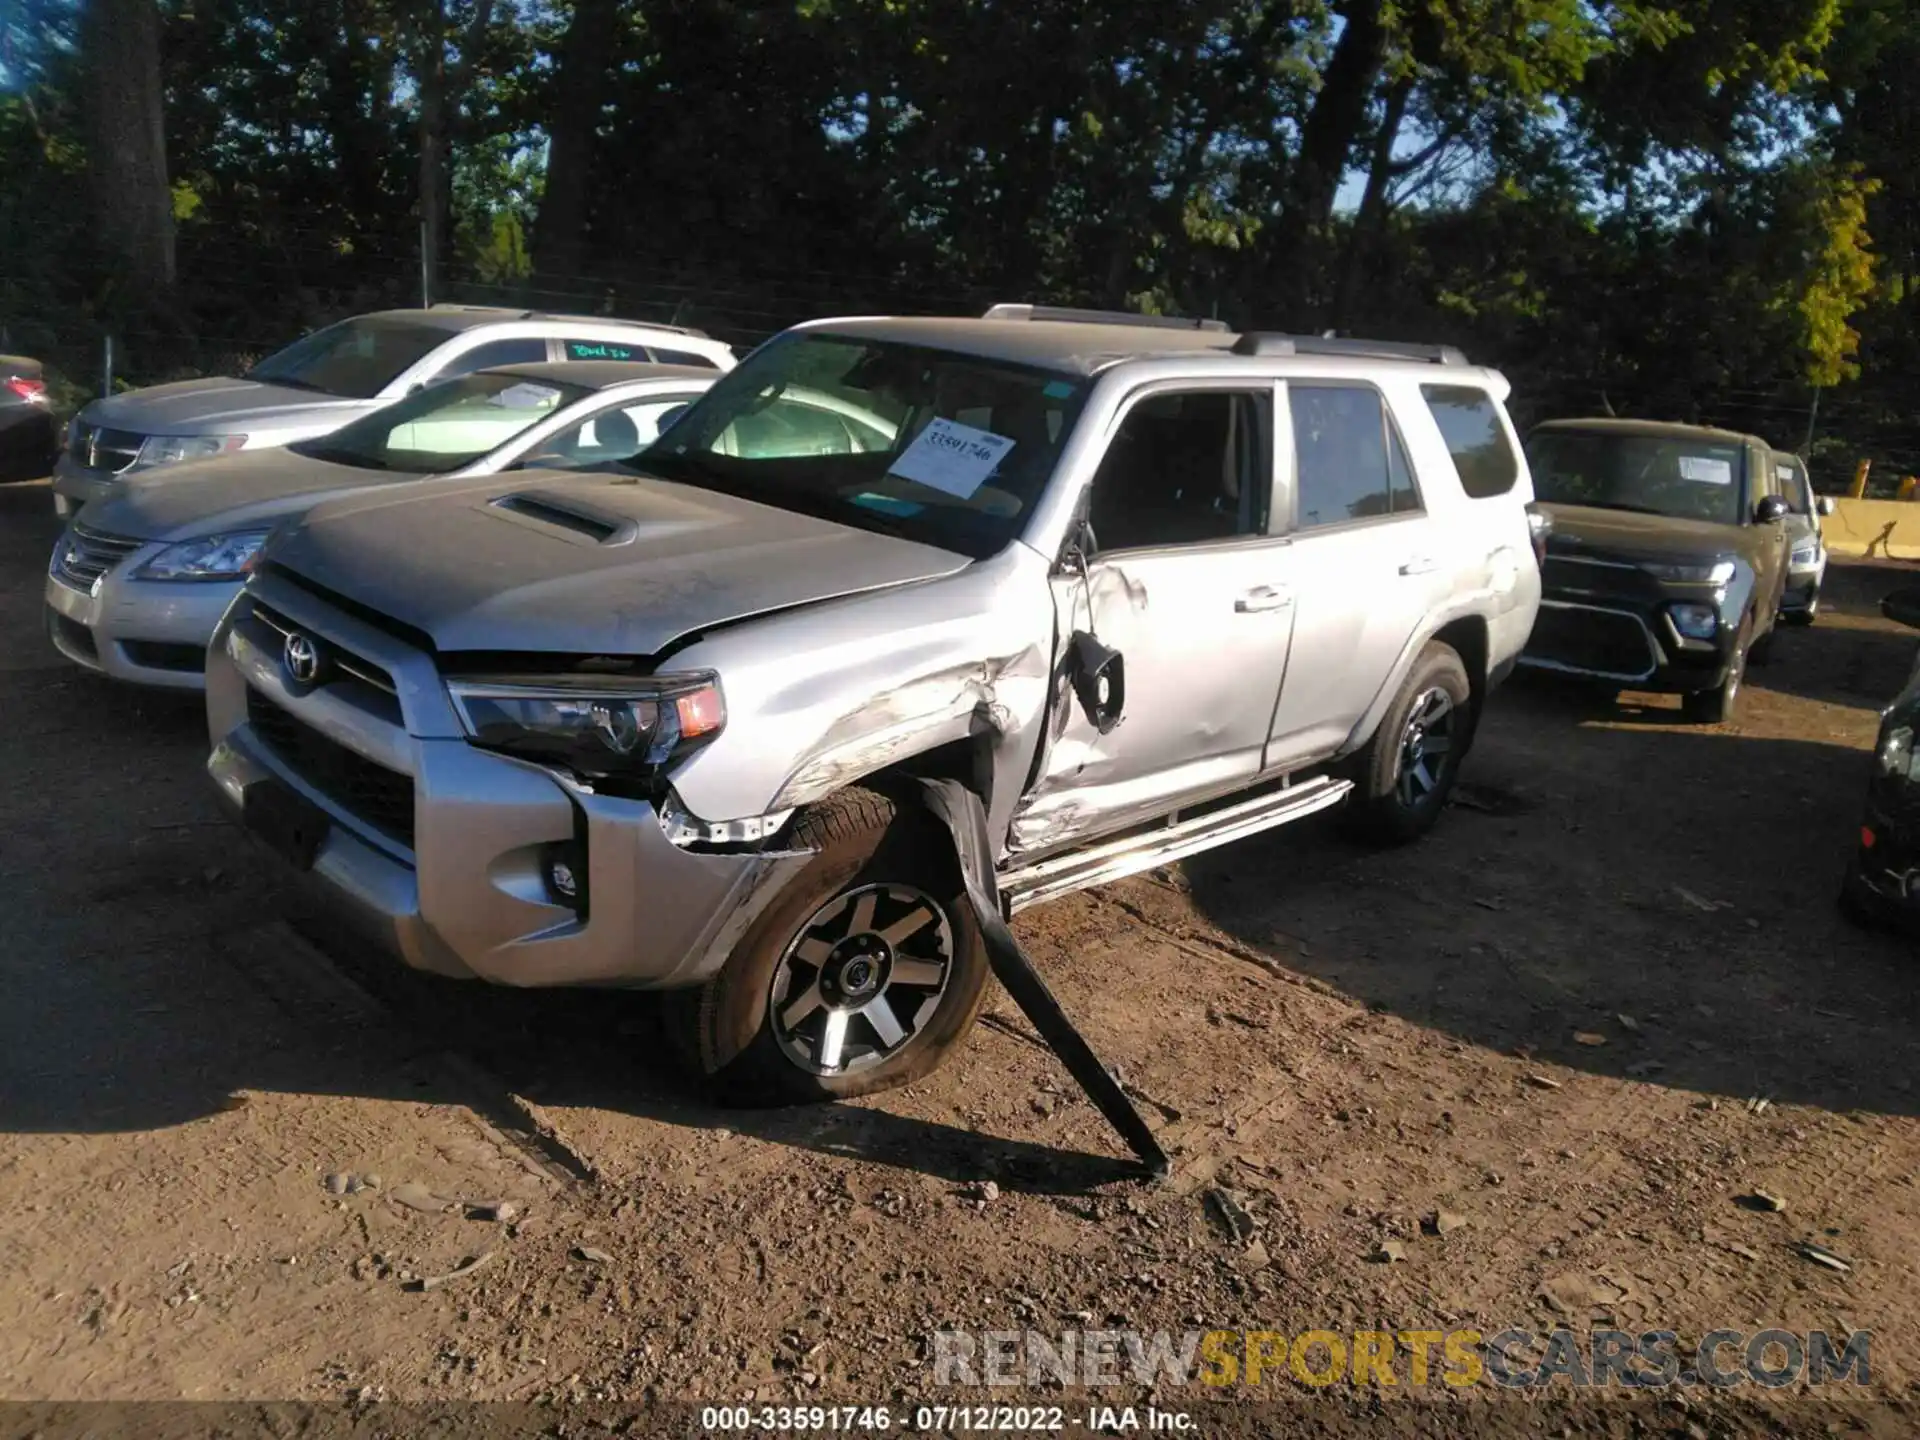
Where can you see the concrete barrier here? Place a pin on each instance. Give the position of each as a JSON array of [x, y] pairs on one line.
[[1892, 527]]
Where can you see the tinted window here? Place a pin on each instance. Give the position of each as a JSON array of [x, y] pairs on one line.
[[1791, 481], [1351, 464], [1687, 478], [1469, 422], [942, 447], [682, 357], [528, 351], [444, 426], [357, 358], [1183, 469]]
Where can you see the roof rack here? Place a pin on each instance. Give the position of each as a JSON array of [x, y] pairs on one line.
[[1256, 342], [520, 314], [1061, 314]]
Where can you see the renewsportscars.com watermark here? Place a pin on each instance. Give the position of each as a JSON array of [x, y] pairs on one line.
[[1510, 1359]]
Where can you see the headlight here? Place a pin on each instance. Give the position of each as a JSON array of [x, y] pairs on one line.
[[212, 557], [172, 449], [1696, 622], [1716, 574], [599, 728], [1805, 554], [1896, 751]]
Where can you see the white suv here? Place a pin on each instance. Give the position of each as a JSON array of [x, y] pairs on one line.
[[1133, 589], [337, 374]]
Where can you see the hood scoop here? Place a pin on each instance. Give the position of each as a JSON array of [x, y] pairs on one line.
[[554, 514]]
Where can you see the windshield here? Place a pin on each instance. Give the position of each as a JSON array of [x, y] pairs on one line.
[[1793, 487], [934, 446], [356, 358], [444, 427], [1687, 479]]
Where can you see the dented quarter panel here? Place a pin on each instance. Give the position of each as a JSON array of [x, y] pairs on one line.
[[885, 677]]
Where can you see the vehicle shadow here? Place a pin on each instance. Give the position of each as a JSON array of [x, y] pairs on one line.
[[1684, 877]]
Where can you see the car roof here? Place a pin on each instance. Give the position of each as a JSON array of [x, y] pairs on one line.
[[1651, 430], [1084, 348], [456, 319], [602, 374]]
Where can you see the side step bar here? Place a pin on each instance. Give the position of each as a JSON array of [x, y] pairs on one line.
[[1131, 854]]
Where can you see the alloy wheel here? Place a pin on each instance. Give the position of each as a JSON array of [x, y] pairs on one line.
[[861, 978], [1426, 747]]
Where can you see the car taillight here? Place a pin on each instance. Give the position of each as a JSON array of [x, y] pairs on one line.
[[34, 392]]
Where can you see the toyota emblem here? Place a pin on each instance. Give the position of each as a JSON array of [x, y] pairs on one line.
[[301, 657]]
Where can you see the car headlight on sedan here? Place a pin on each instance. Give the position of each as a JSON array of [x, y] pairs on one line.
[[1805, 553], [1895, 752], [232, 556], [172, 449], [1718, 573], [600, 728]]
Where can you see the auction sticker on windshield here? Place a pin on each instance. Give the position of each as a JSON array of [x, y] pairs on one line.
[[951, 457], [1707, 469], [526, 397]]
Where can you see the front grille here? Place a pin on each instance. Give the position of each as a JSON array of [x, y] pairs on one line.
[[1598, 642], [99, 448], [338, 662], [85, 555], [165, 655], [369, 792]]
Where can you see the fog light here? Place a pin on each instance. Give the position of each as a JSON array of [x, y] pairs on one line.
[[1695, 622], [566, 875]]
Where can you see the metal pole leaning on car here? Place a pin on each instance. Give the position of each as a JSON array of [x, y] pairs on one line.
[[964, 816]]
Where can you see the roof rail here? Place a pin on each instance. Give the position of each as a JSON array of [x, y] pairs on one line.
[[479, 309], [1256, 342], [520, 314], [1061, 314]]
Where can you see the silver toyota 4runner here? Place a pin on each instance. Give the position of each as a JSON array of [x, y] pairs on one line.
[[1144, 588]]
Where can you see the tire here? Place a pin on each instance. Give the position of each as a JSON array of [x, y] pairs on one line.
[[880, 861], [1853, 906], [1392, 804], [1807, 614], [1716, 706]]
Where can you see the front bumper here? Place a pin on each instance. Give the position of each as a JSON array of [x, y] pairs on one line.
[[146, 632], [1803, 586], [76, 485], [458, 886], [1884, 877], [1624, 643]]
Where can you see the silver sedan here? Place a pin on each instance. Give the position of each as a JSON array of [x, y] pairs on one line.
[[136, 587]]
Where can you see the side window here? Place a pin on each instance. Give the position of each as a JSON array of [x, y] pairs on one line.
[[616, 434], [681, 357], [529, 351], [1351, 463], [1184, 469], [1469, 422]]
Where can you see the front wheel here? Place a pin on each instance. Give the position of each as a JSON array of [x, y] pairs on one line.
[[1716, 706], [865, 974], [1407, 770]]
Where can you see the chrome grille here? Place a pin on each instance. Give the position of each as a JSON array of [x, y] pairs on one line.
[[84, 555], [344, 661], [100, 448]]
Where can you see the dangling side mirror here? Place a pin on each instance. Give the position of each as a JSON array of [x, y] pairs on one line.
[[1825, 504], [1099, 675]]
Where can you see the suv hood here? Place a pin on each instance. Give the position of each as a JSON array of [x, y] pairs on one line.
[[585, 564], [1629, 535], [247, 489], [219, 406]]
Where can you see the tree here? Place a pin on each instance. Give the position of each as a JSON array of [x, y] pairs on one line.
[[126, 141]]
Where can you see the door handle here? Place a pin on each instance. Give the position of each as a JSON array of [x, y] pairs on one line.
[[1262, 598], [1420, 565]]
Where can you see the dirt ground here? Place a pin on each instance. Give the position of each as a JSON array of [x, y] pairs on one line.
[[1340, 1042]]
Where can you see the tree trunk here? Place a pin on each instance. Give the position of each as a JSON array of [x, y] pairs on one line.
[[1372, 218], [580, 82], [1338, 115], [127, 142], [433, 201]]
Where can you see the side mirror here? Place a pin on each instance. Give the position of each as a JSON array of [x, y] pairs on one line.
[[1770, 509], [1903, 607], [1099, 680], [1824, 504]]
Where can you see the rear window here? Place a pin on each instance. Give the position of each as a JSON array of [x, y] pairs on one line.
[[604, 350], [1469, 422], [683, 357]]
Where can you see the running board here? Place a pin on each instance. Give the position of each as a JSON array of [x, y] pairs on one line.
[[1130, 855]]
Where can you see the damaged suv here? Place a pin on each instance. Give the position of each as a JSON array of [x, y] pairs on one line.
[[1141, 588]]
